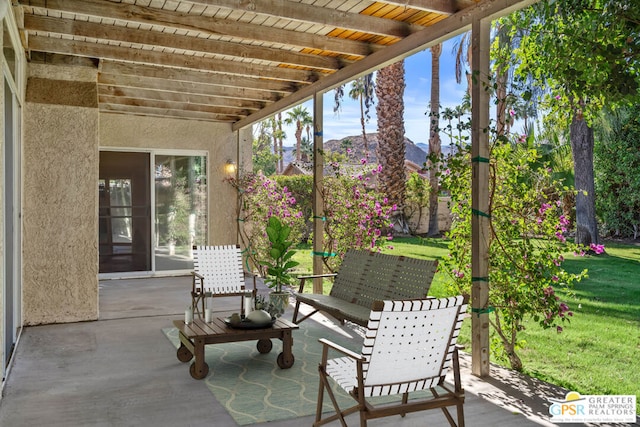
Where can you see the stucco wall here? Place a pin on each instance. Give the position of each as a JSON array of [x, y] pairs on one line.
[[444, 217], [60, 198], [2, 218], [217, 139], [60, 239]]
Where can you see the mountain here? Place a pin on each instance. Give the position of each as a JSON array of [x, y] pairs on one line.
[[412, 151], [445, 148]]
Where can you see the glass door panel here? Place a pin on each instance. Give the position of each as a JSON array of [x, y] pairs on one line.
[[180, 209], [124, 212]]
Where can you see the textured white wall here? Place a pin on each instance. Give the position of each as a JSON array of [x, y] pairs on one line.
[[60, 238]]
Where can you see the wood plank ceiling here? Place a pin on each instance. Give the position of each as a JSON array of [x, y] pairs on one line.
[[217, 60]]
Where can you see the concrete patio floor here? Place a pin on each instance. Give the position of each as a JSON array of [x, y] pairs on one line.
[[122, 371]]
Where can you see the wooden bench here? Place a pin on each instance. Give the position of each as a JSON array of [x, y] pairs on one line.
[[363, 278]]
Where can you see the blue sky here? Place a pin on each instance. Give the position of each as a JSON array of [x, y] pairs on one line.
[[416, 100]]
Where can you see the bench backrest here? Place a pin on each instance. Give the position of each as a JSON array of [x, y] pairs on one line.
[[365, 277]]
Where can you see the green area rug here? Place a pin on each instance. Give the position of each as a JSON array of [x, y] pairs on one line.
[[251, 386]]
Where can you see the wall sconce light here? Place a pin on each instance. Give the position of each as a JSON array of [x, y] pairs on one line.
[[230, 167]]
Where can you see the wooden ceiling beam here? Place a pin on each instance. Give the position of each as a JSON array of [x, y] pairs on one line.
[[186, 87], [170, 105], [443, 7], [167, 112], [207, 25], [155, 38], [196, 76], [318, 15], [71, 47], [161, 95]]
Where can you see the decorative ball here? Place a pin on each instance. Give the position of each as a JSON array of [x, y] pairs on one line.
[[259, 316]]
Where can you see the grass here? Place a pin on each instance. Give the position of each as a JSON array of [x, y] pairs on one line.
[[597, 351]]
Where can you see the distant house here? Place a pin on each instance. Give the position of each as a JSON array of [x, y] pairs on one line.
[[298, 168], [411, 167]]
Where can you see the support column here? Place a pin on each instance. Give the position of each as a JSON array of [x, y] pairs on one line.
[[60, 194], [480, 231], [318, 203]]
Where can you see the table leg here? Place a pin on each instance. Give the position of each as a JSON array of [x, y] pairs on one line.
[[199, 369], [286, 359]]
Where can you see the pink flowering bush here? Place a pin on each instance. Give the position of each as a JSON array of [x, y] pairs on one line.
[[260, 198], [527, 243], [356, 215]]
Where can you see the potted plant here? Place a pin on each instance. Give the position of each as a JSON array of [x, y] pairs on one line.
[[263, 303], [279, 264]]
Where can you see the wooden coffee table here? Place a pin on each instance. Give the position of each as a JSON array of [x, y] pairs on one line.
[[194, 336]]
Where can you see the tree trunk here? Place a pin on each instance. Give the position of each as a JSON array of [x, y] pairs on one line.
[[391, 150], [514, 360], [274, 136], [298, 141], [435, 149], [508, 342], [581, 135], [280, 138], [502, 127], [364, 131]]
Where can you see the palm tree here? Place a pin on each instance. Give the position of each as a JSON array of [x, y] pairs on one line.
[[462, 50], [391, 150], [306, 147], [280, 137], [362, 90], [502, 53], [300, 117], [435, 150], [276, 137]]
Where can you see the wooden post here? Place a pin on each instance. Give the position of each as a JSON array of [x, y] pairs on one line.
[[318, 203], [480, 98], [237, 175]]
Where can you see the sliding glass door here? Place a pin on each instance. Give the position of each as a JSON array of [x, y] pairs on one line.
[[180, 209], [147, 224]]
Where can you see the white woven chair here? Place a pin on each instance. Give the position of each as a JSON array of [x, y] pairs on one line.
[[408, 347], [218, 272]]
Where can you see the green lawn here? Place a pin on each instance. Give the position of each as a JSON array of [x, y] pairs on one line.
[[597, 352]]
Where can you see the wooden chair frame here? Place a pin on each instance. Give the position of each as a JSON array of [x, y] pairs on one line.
[[218, 272], [442, 395]]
